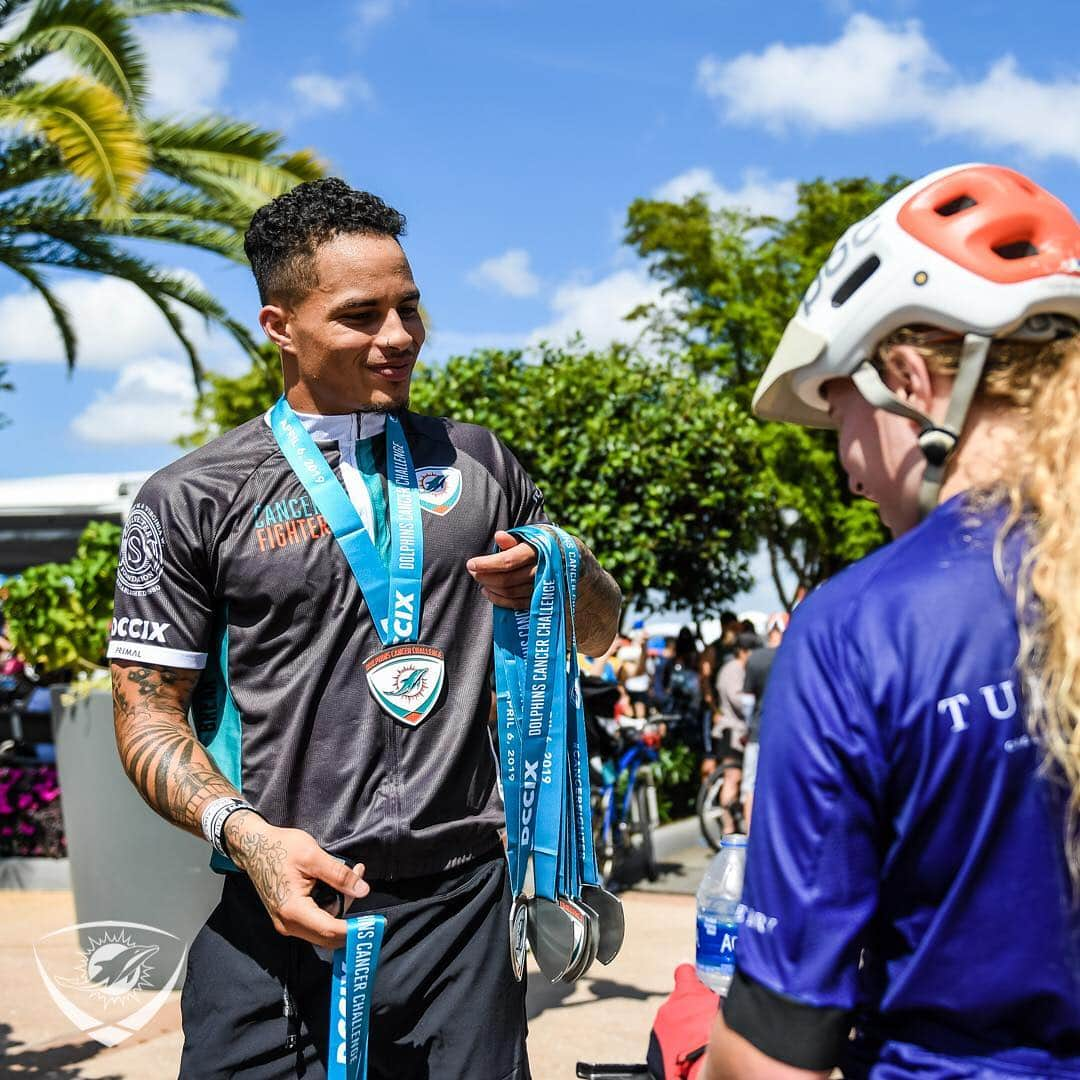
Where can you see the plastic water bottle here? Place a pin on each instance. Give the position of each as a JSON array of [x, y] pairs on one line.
[[717, 904]]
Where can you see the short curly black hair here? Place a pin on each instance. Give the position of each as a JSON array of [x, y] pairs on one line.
[[281, 240]]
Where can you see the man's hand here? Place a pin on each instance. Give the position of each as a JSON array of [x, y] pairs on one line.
[[506, 576], [284, 866]]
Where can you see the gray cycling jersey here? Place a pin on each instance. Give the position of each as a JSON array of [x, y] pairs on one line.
[[226, 566]]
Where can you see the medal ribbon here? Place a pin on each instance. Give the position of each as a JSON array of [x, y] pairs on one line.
[[394, 600], [541, 741], [351, 992]]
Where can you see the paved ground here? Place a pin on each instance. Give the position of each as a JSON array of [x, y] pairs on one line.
[[604, 1017]]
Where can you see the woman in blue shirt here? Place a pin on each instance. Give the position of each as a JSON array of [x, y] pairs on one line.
[[910, 900]]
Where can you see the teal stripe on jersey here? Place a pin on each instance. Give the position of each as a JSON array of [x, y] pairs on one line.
[[224, 742], [365, 463]]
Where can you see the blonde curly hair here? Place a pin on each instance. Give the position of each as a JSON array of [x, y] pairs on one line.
[[1041, 492]]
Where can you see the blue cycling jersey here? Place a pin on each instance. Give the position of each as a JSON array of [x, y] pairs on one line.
[[900, 818]]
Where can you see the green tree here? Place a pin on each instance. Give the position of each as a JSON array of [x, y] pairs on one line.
[[57, 614], [83, 168], [652, 466], [732, 281]]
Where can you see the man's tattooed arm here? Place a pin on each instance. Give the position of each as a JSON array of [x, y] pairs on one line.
[[166, 762], [599, 603], [263, 857], [177, 778]]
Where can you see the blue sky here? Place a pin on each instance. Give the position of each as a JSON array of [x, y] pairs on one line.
[[514, 135]]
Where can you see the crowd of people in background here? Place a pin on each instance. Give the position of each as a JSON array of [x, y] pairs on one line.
[[708, 696]]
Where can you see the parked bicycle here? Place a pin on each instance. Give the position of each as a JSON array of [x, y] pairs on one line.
[[625, 807], [717, 820]]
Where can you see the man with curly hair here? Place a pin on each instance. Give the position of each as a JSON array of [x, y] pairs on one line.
[[327, 771]]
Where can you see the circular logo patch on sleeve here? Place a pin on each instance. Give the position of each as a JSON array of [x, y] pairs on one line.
[[142, 553]]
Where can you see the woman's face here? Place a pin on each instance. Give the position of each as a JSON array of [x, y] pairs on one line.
[[880, 454]]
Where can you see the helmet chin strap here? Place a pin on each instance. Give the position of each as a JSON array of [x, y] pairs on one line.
[[937, 441]]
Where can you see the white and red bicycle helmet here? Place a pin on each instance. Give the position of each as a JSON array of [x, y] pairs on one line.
[[979, 250]]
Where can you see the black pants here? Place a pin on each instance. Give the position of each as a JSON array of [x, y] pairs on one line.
[[446, 1005]]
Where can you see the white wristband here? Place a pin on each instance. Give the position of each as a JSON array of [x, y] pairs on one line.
[[214, 817]]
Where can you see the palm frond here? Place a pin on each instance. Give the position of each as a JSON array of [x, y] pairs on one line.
[[37, 281], [303, 164], [96, 37], [218, 147], [168, 7], [14, 65], [72, 245], [95, 135], [171, 216], [28, 160], [8, 8]]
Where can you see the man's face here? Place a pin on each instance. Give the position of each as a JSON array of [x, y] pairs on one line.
[[355, 337]]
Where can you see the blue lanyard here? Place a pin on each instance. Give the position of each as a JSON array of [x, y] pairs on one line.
[[532, 695], [350, 997], [511, 660], [579, 789], [394, 601]]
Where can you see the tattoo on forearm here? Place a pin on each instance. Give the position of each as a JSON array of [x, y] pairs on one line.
[[167, 764], [599, 603], [263, 860]]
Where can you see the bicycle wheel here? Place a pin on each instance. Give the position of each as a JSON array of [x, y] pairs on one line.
[[603, 840], [644, 815], [710, 816]]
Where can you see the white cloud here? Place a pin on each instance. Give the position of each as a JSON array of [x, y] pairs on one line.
[[598, 310], [510, 273], [370, 13], [151, 402], [189, 62], [114, 322], [1007, 108], [324, 93], [877, 73], [757, 193], [872, 73]]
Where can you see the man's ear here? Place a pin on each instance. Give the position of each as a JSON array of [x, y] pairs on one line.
[[909, 378], [275, 323]]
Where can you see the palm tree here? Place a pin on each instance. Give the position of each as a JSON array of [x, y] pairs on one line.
[[83, 168]]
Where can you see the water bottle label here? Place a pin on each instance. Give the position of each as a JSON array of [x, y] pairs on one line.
[[716, 943]]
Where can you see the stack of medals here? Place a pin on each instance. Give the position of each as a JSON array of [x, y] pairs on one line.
[[570, 921]]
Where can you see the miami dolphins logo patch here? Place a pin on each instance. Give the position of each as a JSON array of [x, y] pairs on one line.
[[406, 680], [440, 488]]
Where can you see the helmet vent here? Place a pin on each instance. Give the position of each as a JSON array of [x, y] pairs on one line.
[[1019, 249], [855, 280], [954, 206]]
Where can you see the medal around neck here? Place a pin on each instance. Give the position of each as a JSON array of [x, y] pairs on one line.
[[407, 680], [409, 684]]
